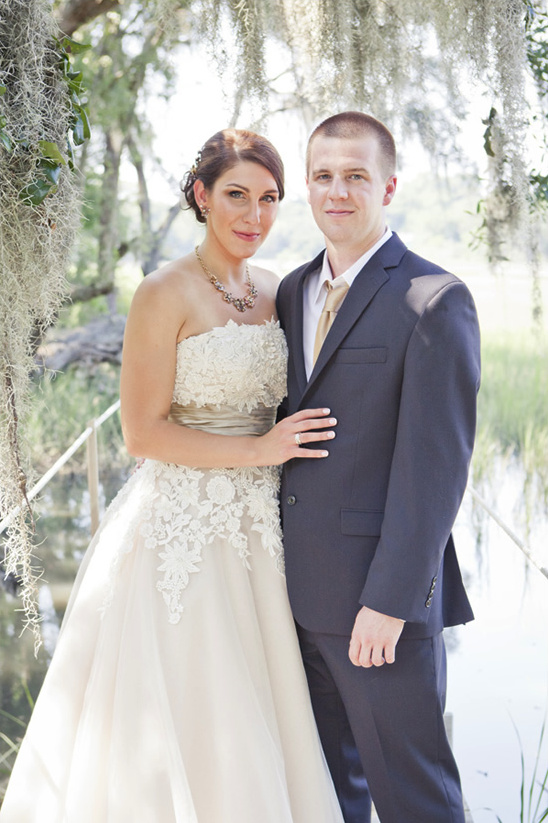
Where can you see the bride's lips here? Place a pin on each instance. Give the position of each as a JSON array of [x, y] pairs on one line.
[[250, 237]]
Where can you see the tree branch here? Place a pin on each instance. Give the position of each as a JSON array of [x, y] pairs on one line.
[[76, 13], [81, 294]]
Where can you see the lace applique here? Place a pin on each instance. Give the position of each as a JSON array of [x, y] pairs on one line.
[[190, 509], [235, 365]]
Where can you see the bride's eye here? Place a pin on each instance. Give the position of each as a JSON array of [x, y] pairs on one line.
[[236, 194]]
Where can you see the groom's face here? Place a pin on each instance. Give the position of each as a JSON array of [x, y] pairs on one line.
[[348, 190]]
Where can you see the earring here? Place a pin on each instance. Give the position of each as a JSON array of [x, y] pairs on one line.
[[205, 212]]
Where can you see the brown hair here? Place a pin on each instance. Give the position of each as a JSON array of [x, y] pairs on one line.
[[222, 152], [351, 124]]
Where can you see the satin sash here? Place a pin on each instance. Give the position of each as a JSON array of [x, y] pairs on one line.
[[224, 420]]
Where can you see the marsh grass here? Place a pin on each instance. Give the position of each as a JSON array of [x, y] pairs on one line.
[[534, 789], [513, 412]]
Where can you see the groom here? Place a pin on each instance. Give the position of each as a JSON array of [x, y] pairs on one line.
[[389, 342]]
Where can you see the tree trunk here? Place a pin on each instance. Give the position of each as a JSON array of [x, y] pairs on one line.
[[151, 239], [108, 231]]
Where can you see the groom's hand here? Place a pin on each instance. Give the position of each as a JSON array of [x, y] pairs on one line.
[[374, 638]]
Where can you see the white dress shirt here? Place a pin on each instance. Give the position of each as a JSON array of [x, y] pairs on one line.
[[315, 293]]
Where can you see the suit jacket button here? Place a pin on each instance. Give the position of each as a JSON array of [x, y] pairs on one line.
[[291, 500]]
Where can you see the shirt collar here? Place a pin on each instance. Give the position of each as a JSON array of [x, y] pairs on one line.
[[350, 274]]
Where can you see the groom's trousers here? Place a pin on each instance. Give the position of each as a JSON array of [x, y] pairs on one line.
[[385, 723]]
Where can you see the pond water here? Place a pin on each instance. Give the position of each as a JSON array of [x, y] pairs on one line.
[[498, 665]]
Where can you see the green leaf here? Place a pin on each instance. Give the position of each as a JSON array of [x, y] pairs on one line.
[[75, 83], [35, 193], [65, 63], [52, 173], [73, 45], [5, 140], [70, 153], [87, 127], [51, 151], [3, 89], [78, 132], [81, 130], [487, 145]]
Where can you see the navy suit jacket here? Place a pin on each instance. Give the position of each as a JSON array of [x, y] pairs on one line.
[[371, 524]]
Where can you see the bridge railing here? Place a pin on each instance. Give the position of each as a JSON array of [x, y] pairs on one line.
[[88, 436]]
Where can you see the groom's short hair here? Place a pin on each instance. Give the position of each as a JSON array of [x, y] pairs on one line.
[[352, 124]]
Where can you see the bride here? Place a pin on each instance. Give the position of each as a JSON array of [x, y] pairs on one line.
[[176, 693]]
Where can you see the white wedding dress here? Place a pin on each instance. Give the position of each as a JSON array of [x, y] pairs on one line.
[[176, 693]]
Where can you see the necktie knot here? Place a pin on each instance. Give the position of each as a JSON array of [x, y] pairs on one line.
[[335, 296]]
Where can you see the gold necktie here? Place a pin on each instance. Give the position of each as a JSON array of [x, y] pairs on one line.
[[333, 300]]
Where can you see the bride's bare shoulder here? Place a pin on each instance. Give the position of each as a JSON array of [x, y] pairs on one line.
[[167, 296], [175, 274], [168, 281], [266, 280]]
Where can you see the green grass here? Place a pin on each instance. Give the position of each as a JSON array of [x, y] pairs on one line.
[[513, 401], [513, 408], [533, 793]]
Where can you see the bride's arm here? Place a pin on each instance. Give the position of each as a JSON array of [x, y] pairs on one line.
[[147, 379]]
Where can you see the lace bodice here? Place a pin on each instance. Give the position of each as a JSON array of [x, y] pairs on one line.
[[237, 365]]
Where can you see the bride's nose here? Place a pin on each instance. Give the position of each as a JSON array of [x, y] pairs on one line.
[[253, 213]]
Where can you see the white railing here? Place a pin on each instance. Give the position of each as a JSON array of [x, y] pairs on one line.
[[88, 436]]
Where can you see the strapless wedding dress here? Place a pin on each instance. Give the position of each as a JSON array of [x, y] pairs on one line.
[[176, 693]]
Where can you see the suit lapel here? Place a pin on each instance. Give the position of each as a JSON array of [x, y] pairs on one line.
[[365, 286], [295, 331]]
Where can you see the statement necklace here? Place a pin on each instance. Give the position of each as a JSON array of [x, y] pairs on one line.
[[239, 303]]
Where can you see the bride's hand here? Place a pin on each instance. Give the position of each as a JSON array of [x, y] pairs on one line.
[[287, 438]]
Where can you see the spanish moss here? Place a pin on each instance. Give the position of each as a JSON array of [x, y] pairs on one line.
[[35, 241]]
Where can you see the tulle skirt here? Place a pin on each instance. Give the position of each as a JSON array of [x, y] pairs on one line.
[[193, 713]]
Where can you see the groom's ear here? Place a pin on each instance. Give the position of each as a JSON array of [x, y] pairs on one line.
[[389, 189]]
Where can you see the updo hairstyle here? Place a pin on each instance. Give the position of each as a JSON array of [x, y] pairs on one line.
[[222, 152]]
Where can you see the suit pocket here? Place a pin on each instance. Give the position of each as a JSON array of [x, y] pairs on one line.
[[372, 354], [364, 523]]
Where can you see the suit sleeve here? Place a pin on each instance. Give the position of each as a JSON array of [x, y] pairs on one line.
[[429, 469]]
